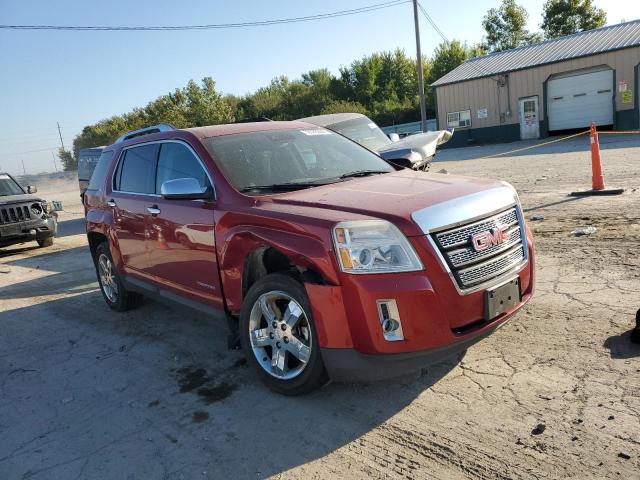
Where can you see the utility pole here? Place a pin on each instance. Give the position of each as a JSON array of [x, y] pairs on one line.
[[423, 106], [60, 133], [24, 170], [54, 161]]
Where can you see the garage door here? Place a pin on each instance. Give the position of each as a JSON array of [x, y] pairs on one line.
[[578, 100]]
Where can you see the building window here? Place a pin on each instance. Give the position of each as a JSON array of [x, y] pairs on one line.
[[459, 119]]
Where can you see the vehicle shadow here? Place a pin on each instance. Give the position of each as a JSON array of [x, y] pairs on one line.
[[621, 347], [15, 250], [74, 226], [161, 383]]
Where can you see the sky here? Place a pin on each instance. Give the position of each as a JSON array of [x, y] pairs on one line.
[[79, 78]]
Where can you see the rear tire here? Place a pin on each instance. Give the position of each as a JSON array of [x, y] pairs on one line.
[[45, 242], [113, 291], [279, 337], [635, 333]]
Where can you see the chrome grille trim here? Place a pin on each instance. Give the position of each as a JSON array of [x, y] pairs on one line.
[[14, 214], [491, 268], [460, 236], [465, 256], [471, 270]]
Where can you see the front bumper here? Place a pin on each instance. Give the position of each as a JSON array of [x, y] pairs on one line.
[[437, 320], [348, 365], [39, 229]]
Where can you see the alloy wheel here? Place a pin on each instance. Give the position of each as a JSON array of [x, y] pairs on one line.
[[107, 278], [280, 335]]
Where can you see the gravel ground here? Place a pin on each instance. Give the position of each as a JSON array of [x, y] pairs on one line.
[[154, 393]]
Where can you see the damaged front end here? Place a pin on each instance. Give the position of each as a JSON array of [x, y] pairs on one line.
[[415, 151]]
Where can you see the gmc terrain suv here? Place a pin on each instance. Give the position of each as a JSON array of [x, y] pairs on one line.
[[327, 262], [24, 217]]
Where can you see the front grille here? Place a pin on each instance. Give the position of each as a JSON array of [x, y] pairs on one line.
[[14, 214], [470, 267]]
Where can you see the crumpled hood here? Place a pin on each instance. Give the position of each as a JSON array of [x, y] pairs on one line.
[[424, 144], [27, 197], [392, 196]]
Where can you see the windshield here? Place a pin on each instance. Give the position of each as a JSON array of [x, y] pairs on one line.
[[8, 186], [302, 156], [363, 131]]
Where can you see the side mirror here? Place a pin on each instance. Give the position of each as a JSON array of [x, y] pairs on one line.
[[394, 137], [184, 189], [31, 189]]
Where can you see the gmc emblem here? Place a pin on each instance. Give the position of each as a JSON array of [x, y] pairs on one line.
[[483, 240]]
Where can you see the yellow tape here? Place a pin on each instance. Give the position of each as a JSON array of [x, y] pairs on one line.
[[620, 132], [536, 145]]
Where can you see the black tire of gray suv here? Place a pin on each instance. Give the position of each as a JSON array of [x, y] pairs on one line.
[[279, 337], [113, 291], [45, 242]]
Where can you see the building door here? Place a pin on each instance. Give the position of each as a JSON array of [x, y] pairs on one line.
[[577, 100], [529, 125]]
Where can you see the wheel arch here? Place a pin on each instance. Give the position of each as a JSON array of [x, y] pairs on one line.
[[248, 256]]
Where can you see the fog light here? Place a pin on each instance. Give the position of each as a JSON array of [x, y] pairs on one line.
[[390, 320]]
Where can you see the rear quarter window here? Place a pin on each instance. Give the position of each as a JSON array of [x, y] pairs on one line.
[[97, 177]]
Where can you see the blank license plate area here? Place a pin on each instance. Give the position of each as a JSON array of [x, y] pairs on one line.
[[14, 229], [501, 299]]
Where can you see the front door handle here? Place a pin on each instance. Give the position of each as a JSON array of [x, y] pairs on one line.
[[153, 210], [111, 203]]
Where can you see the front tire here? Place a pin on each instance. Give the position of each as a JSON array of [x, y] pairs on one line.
[[45, 242], [113, 291], [279, 337]]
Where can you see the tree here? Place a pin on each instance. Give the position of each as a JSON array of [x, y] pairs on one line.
[[69, 162], [506, 27], [564, 17], [343, 106], [446, 57]]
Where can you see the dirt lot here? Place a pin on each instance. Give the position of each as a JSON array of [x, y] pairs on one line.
[[154, 393]]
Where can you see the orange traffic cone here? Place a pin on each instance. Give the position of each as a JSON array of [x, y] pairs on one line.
[[597, 179], [162, 243]]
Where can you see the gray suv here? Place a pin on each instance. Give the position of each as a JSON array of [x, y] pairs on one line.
[[24, 216]]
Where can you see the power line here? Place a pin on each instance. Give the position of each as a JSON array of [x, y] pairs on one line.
[[308, 18], [33, 151], [469, 62], [433, 24]]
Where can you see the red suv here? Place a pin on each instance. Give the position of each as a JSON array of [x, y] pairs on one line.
[[326, 261]]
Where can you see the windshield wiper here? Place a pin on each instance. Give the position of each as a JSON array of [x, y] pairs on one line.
[[362, 173], [280, 187]]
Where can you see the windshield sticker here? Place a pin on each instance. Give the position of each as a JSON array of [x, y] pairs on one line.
[[4, 177], [372, 126], [316, 131]]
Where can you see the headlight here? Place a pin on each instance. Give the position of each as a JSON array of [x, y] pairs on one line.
[[373, 246]]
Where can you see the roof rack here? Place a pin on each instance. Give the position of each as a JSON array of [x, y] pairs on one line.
[[161, 127]]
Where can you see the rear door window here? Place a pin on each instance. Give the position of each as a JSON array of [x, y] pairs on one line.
[[97, 177], [136, 172], [178, 161]]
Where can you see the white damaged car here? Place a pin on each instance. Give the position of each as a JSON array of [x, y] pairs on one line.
[[414, 151]]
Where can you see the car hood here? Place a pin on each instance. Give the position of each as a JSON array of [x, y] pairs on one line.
[[424, 144], [10, 199], [396, 197]]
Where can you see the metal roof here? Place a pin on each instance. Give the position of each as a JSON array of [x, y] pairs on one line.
[[591, 42]]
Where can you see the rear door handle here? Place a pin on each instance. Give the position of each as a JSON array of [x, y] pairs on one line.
[[153, 210], [111, 203]]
